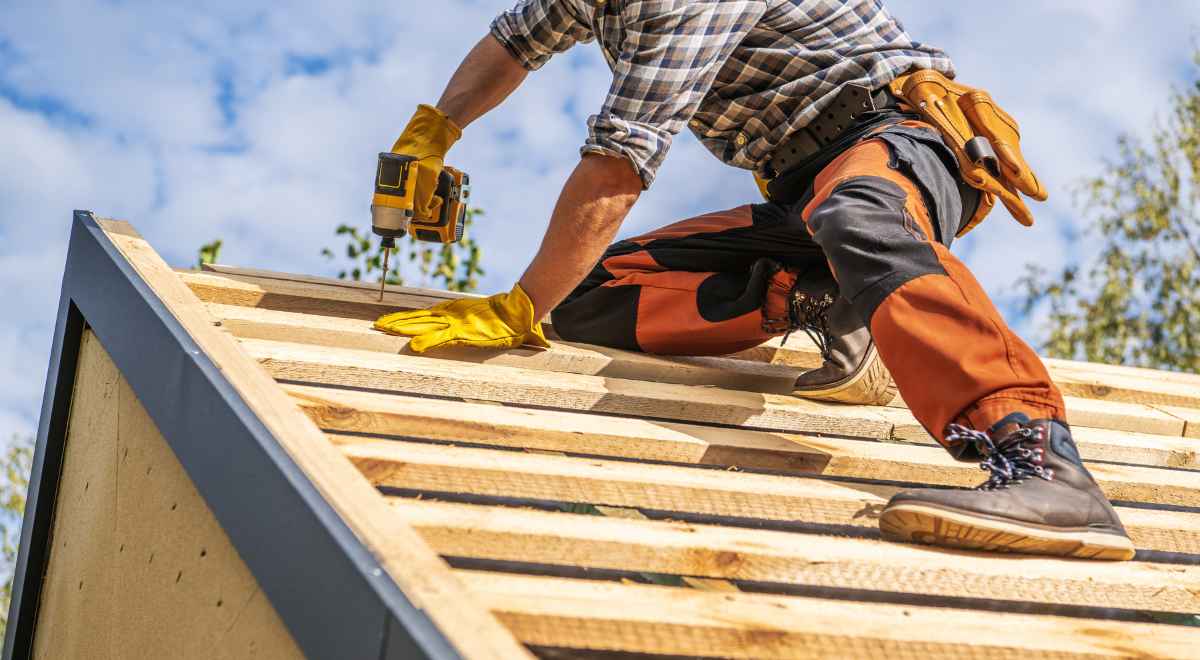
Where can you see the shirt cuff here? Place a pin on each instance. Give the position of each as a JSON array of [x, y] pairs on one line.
[[645, 145], [520, 47]]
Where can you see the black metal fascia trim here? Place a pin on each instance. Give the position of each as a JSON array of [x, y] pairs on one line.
[[332, 594]]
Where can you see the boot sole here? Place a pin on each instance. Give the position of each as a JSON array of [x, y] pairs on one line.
[[871, 385], [931, 525]]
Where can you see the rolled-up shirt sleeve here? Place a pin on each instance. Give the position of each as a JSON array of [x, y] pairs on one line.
[[534, 30], [671, 54]]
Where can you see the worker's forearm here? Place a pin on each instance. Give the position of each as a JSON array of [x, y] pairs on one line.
[[592, 206], [487, 75]]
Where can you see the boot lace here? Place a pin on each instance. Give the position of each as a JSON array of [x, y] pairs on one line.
[[1007, 461], [811, 314]]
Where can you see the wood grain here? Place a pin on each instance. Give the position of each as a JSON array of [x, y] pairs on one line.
[[418, 571], [675, 548], [783, 498], [438, 419], [431, 376], [598, 615], [139, 566], [321, 295], [563, 357]]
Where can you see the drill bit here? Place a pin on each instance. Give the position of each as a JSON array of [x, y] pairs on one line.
[[386, 245], [387, 252]]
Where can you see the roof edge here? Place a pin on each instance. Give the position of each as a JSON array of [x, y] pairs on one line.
[[345, 605]]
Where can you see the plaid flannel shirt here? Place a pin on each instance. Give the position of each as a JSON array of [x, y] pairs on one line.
[[743, 75]]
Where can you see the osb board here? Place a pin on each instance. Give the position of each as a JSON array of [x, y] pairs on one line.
[[423, 578], [139, 567]]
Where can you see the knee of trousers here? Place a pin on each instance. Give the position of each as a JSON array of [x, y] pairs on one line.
[[606, 316], [872, 240]]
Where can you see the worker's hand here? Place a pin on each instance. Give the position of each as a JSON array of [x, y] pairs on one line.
[[504, 320], [428, 136]]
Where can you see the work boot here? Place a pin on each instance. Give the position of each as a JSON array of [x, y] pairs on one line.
[[1039, 498], [852, 371]]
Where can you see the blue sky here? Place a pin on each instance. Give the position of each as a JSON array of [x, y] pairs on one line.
[[258, 123]]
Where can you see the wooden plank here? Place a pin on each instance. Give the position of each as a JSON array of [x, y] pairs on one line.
[[709, 492], [483, 423], [563, 357], [358, 300], [1111, 415], [436, 377], [1077, 380], [799, 348], [799, 351], [298, 296], [1103, 389], [439, 419], [423, 577], [1124, 388], [316, 328], [1095, 444], [419, 375], [1100, 368], [364, 412], [675, 548], [608, 616], [329, 281], [1189, 416], [162, 579]]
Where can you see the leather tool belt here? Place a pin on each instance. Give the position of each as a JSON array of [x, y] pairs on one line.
[[985, 139], [840, 115]]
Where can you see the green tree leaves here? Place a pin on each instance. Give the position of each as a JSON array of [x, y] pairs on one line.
[[14, 482], [1138, 301], [209, 253], [452, 266]]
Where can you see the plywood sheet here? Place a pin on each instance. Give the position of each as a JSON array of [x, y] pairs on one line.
[[139, 565]]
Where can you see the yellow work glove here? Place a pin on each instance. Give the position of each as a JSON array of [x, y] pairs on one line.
[[428, 136], [504, 320]]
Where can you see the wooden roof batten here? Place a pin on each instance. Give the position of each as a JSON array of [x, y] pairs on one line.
[[584, 499]]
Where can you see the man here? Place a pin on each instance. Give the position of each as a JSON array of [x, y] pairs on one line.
[[852, 246]]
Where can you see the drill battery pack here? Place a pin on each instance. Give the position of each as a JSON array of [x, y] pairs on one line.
[[454, 188]]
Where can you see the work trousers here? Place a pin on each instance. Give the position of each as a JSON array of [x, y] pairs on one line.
[[879, 218]]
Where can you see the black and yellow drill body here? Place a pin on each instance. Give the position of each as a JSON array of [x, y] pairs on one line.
[[393, 211], [392, 208]]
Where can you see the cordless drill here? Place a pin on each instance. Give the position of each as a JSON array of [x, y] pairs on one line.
[[392, 206]]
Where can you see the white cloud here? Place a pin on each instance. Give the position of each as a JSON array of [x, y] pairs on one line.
[[259, 125]]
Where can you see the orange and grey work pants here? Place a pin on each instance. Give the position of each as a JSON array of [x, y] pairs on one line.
[[879, 218]]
